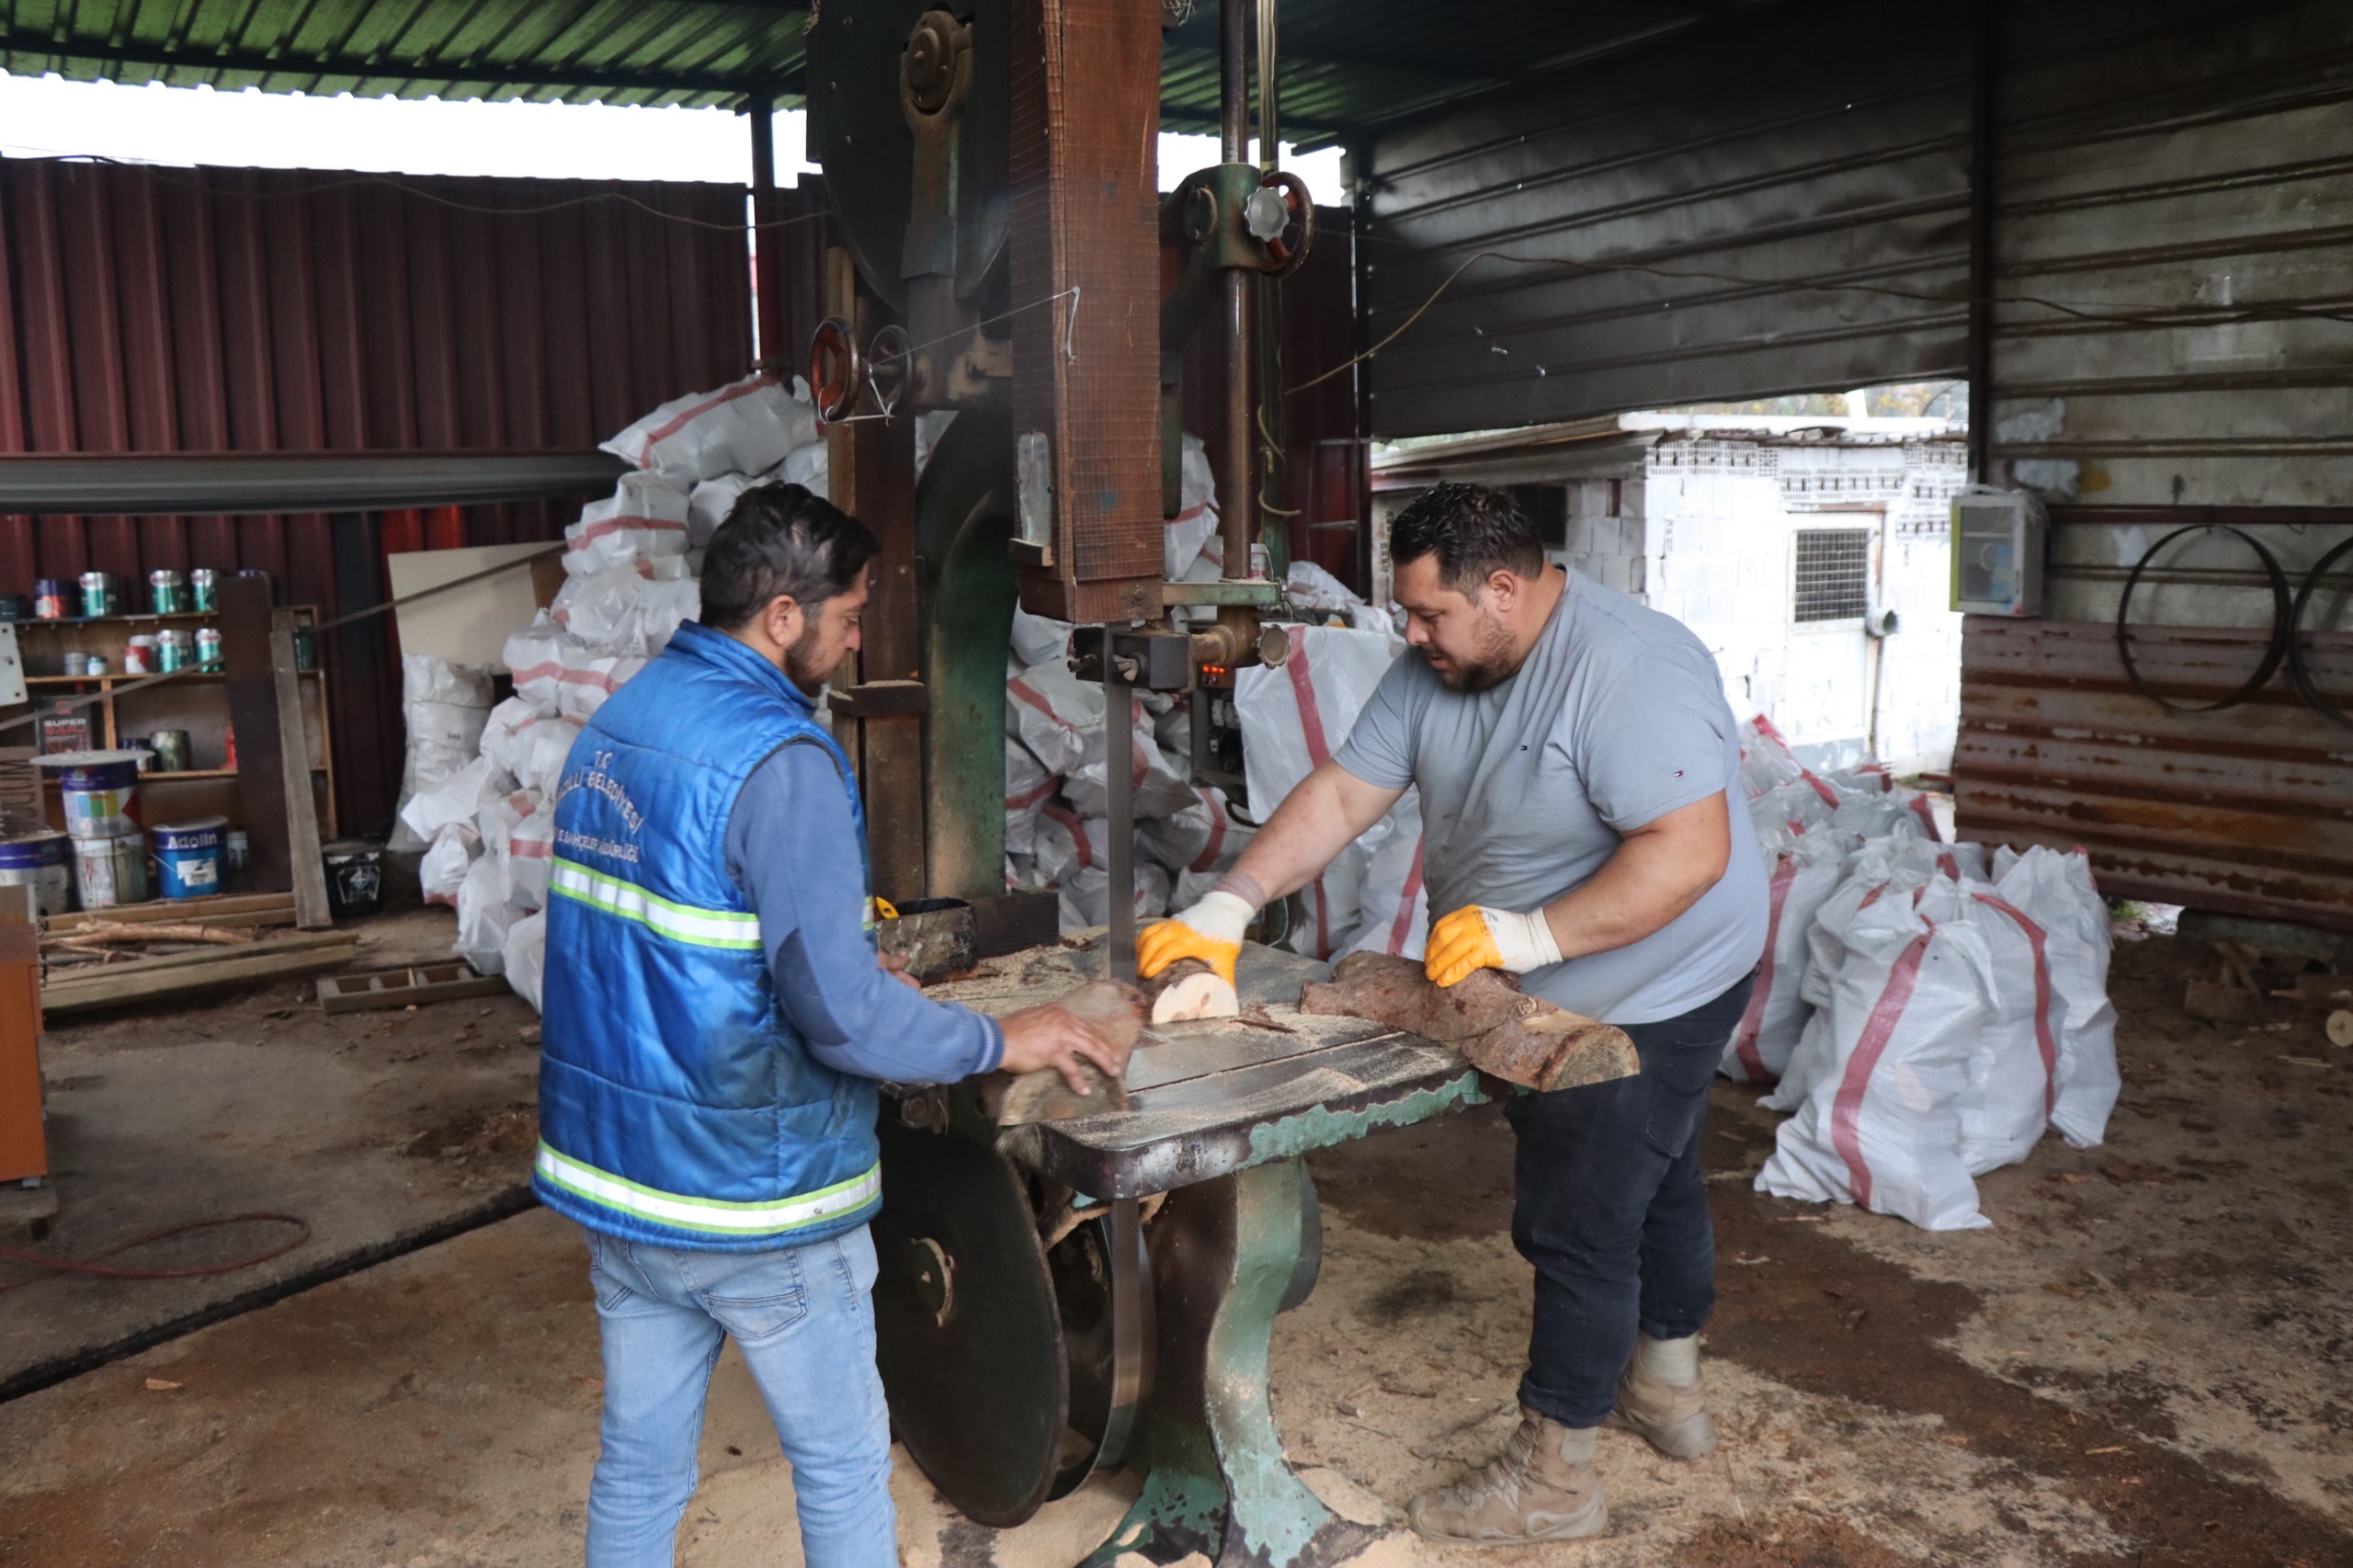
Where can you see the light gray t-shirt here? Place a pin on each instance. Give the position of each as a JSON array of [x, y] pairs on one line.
[[1616, 719]]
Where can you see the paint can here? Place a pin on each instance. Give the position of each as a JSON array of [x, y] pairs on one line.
[[139, 656], [306, 647], [171, 749], [97, 589], [49, 600], [111, 872], [207, 647], [44, 862], [166, 592], [188, 858], [171, 649], [236, 851], [204, 589], [94, 664], [101, 789]]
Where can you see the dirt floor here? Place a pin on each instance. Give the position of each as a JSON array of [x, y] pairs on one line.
[[377, 1129], [2143, 1362]]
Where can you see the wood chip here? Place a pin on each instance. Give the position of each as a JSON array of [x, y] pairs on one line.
[[2111, 1448], [162, 1385]]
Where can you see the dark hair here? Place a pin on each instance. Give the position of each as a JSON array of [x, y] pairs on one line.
[[778, 539], [1472, 530]]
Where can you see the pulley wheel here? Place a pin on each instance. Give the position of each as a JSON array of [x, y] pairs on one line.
[[858, 131], [1103, 1294], [968, 1336]]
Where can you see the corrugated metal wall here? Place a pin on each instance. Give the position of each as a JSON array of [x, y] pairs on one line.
[[149, 308], [2172, 345], [1777, 204]]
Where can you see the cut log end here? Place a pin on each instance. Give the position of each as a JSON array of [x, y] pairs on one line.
[[1189, 989]]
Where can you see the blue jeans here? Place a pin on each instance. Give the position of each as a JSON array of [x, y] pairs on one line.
[[804, 1319], [1610, 1206]]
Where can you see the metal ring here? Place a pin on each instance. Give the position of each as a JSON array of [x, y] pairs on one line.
[[2300, 675], [889, 360], [1301, 203], [835, 372], [2272, 654]]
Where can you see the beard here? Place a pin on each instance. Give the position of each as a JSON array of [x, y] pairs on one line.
[[804, 663], [1488, 665]]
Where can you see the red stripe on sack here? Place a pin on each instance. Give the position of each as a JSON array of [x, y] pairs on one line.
[[1077, 832], [562, 673], [1206, 859], [531, 849], [2044, 1039], [1829, 796], [1404, 929], [1919, 804], [1303, 686], [1030, 797], [1028, 694], [1751, 1017], [656, 437], [604, 526], [1949, 866], [1877, 1031]]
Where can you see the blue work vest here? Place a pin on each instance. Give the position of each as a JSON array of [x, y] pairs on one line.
[[678, 1105]]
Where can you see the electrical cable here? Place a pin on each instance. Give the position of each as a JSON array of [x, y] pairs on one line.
[[93, 1266], [2273, 652], [2300, 675]]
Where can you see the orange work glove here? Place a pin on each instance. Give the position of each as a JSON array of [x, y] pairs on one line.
[[1476, 938], [1210, 931]]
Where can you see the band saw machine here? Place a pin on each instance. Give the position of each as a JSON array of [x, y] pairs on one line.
[[1069, 1296]]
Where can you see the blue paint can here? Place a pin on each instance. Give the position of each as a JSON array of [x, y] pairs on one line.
[[100, 791], [44, 862], [188, 856]]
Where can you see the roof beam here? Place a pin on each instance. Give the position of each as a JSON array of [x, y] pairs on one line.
[[783, 84]]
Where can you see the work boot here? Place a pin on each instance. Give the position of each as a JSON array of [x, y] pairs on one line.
[[1543, 1488], [1663, 1400]]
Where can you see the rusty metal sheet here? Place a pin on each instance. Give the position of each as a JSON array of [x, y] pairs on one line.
[[194, 311], [2248, 810], [1086, 267]]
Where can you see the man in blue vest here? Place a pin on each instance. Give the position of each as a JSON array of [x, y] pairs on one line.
[[715, 1021]]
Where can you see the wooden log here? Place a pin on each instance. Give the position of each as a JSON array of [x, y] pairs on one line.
[[107, 933], [226, 909], [1189, 989], [296, 942], [2222, 1004], [1114, 1011], [1521, 1040], [116, 986]]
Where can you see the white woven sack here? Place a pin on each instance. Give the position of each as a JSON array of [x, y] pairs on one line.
[[550, 743], [530, 847], [447, 860], [443, 707], [1803, 877], [1027, 788], [1087, 895], [663, 605], [742, 428], [456, 797], [1882, 1130], [1066, 842], [1204, 838], [534, 657], [2058, 892], [603, 611], [1053, 712], [1039, 639], [484, 917], [1393, 909], [1160, 786], [645, 515], [526, 956]]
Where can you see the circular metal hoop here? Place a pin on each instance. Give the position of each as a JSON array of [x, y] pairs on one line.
[[2272, 654]]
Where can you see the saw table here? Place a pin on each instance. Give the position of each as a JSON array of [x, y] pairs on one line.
[[1064, 1297]]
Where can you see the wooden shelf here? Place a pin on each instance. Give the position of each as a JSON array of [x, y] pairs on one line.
[[108, 679]]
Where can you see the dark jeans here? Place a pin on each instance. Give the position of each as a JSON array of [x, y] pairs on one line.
[[1611, 1209]]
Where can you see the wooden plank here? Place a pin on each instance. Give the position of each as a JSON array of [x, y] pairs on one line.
[[416, 986], [210, 911], [24, 1142], [112, 989], [308, 869], [83, 974], [247, 633]]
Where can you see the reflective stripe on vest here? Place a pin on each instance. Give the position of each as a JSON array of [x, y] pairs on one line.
[[679, 922], [707, 1213]]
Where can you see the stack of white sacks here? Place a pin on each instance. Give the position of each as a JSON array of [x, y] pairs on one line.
[[630, 572], [1056, 827], [1926, 1011]]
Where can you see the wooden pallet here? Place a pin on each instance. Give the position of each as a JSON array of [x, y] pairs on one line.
[[416, 986]]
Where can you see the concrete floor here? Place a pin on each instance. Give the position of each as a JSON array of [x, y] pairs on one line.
[[2143, 1362]]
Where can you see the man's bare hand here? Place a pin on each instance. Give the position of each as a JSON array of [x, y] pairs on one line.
[[1053, 1037], [896, 967]]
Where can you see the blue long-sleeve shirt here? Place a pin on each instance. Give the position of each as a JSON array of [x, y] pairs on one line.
[[794, 851]]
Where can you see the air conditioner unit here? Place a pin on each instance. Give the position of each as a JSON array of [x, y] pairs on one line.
[[1997, 541]]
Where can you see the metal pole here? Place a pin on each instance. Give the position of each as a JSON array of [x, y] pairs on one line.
[[1980, 240], [1270, 100], [1119, 808], [768, 268], [1236, 497]]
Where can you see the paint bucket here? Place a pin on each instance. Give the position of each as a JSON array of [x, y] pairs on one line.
[[49, 600], [100, 789], [171, 749], [44, 862], [97, 593], [139, 656], [188, 856], [111, 872], [166, 592], [204, 589], [171, 649], [355, 878]]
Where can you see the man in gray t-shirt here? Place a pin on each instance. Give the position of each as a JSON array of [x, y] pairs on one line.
[[1583, 829]]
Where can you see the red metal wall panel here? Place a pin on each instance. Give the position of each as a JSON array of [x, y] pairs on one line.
[[241, 310]]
